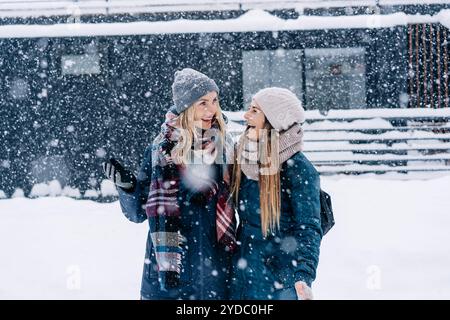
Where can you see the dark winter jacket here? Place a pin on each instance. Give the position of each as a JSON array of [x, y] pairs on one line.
[[206, 267], [268, 268]]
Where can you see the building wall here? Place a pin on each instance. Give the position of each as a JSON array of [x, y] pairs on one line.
[[56, 125]]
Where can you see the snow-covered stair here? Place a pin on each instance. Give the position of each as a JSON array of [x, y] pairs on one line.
[[373, 140]]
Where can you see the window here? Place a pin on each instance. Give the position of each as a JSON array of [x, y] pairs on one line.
[[80, 64], [335, 78], [267, 68]]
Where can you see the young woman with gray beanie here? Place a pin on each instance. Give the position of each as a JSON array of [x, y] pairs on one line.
[[183, 190], [277, 194]]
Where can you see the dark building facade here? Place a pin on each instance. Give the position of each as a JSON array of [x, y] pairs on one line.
[[67, 103]]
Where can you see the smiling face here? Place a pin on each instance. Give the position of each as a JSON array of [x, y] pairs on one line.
[[205, 109], [255, 121]]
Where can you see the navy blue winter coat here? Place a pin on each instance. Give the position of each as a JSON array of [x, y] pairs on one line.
[[268, 268], [206, 265]]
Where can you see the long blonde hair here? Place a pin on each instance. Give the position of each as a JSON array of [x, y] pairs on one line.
[[181, 152], [269, 178]]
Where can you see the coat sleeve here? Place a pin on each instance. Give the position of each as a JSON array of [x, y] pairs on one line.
[[132, 202], [305, 202]]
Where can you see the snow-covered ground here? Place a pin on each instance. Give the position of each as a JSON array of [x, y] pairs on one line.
[[391, 241]]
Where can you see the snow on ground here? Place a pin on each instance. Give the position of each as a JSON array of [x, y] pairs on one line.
[[391, 241], [62, 248]]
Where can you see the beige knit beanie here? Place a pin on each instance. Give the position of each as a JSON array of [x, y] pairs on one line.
[[281, 107]]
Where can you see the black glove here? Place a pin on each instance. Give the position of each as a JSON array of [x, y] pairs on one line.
[[121, 177]]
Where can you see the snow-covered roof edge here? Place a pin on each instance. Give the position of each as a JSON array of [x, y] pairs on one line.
[[252, 21], [47, 8]]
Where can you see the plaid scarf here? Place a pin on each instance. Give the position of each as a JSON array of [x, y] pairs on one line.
[[163, 203]]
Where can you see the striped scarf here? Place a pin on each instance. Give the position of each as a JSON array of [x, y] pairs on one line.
[[163, 203]]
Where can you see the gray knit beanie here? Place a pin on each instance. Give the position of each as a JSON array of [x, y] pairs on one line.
[[188, 86], [281, 107]]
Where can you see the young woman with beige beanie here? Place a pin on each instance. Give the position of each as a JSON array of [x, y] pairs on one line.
[[277, 194]]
